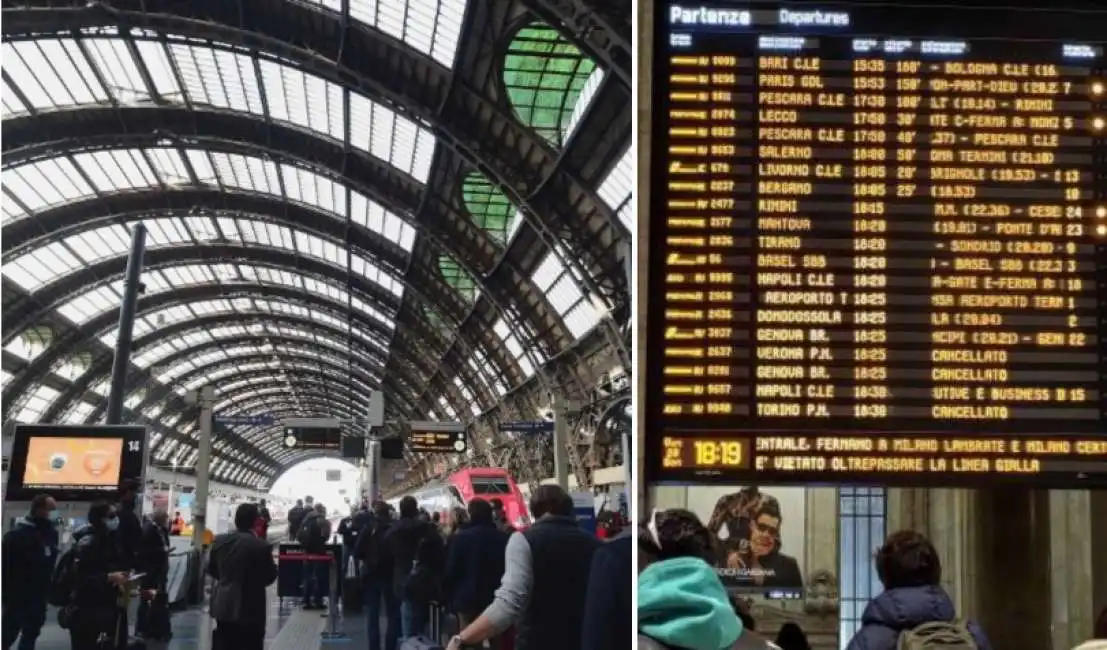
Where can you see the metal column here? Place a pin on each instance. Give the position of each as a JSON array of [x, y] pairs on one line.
[[124, 339], [561, 442], [373, 464], [206, 399]]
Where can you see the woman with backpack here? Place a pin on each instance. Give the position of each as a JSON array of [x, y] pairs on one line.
[[913, 612]]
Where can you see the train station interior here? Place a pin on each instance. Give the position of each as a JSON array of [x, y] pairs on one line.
[[427, 199]]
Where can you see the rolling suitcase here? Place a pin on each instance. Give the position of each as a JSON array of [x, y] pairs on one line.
[[433, 640], [351, 588]]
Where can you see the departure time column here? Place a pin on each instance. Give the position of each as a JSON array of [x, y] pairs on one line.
[[869, 299]]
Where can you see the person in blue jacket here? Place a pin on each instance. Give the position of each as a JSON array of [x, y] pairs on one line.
[[911, 572], [608, 604], [30, 551]]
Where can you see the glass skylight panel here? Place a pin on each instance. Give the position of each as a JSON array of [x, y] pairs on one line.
[[41, 267], [85, 307], [584, 100], [513, 346], [5, 377], [79, 413], [34, 186], [617, 188], [372, 215], [36, 404], [50, 73]]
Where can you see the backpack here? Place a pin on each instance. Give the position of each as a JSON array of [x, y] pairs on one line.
[[940, 635], [63, 582], [311, 534], [374, 548]]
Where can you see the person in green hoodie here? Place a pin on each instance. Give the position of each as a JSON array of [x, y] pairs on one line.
[[682, 605]]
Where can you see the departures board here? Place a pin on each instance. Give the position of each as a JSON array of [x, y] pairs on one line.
[[878, 240]]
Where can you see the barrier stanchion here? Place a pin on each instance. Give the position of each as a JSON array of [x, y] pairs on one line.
[[333, 632]]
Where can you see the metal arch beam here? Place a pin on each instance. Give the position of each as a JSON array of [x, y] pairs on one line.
[[317, 397], [218, 365], [100, 368], [98, 128], [296, 354], [480, 127], [33, 309], [422, 273], [127, 206], [75, 338], [608, 44]]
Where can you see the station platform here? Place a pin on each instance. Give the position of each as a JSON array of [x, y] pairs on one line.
[[287, 628]]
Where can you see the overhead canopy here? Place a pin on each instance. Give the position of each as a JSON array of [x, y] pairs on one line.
[[320, 224]]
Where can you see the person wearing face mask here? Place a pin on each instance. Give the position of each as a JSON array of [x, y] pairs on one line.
[[95, 616], [130, 525], [29, 552]]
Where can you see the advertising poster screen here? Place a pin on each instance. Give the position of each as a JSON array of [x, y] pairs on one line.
[[878, 237], [759, 535], [74, 463]]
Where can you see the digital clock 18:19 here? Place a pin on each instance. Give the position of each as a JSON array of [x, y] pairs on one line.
[[718, 453]]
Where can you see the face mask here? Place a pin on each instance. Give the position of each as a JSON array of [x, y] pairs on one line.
[[112, 524], [49, 515]]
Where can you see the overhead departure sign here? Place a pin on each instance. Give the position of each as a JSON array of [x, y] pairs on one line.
[[894, 241], [323, 438], [438, 437]]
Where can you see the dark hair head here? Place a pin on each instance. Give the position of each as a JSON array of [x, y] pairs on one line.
[[299, 502], [381, 509], [480, 511], [551, 500], [41, 504], [409, 507], [1101, 625], [261, 502], [245, 516], [436, 517], [908, 559], [770, 507], [791, 637], [497, 504], [100, 511], [681, 534]]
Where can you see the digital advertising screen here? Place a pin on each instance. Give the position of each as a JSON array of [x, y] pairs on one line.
[[759, 534], [74, 463], [878, 244]]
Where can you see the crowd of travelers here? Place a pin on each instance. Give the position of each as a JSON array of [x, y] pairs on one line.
[[553, 586]]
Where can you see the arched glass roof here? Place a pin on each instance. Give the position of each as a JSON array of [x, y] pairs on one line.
[[301, 271]]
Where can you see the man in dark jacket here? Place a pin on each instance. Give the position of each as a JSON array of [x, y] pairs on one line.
[[609, 596], [545, 580], [243, 567], [130, 525], [376, 577], [153, 556], [409, 537], [30, 550], [295, 519], [475, 563], [908, 567], [101, 574], [315, 532]]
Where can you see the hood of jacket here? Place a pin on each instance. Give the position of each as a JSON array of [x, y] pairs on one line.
[[681, 603], [908, 607], [84, 531]]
